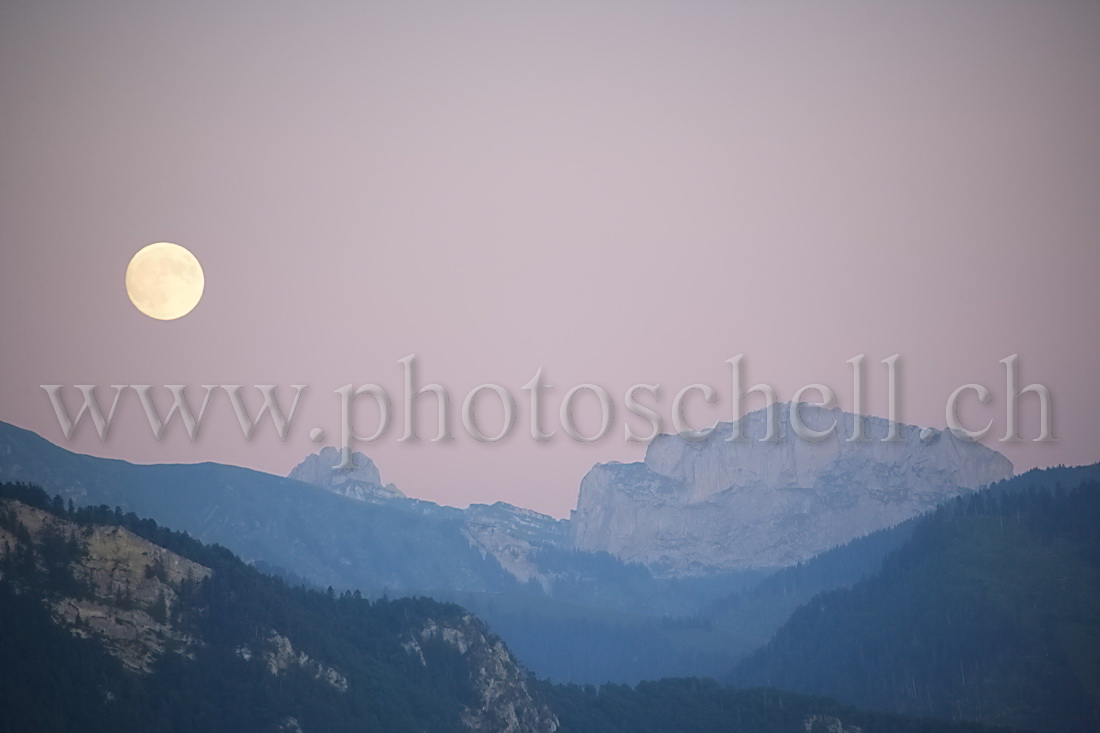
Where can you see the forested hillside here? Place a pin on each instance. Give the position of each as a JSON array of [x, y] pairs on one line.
[[111, 623], [704, 706], [990, 612]]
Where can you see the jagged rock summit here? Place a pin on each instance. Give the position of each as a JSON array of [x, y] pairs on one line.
[[361, 480], [695, 507]]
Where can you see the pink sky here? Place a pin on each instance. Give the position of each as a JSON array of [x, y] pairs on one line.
[[616, 192]]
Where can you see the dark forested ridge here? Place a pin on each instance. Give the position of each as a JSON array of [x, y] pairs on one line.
[[245, 670], [990, 612], [758, 611], [704, 706], [224, 660]]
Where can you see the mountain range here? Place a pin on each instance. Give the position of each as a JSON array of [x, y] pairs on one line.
[[924, 570], [691, 508], [640, 607], [113, 623]]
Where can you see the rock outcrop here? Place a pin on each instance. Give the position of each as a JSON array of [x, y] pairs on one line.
[[827, 724], [505, 704], [134, 597], [280, 655], [130, 587], [695, 507], [361, 480], [513, 536]]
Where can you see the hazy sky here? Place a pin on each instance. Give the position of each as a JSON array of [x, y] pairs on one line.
[[616, 192]]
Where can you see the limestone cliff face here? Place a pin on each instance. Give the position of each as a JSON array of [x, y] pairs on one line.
[[513, 536], [129, 589], [505, 704], [135, 598], [714, 505], [131, 586]]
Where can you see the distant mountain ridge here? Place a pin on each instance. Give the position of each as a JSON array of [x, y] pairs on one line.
[[510, 534], [574, 614], [691, 508], [720, 504], [313, 533], [375, 542]]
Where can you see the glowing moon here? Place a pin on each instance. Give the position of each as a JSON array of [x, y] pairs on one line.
[[164, 281]]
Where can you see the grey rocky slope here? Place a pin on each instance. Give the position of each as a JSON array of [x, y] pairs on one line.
[[713, 505]]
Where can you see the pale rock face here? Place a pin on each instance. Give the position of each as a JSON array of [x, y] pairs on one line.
[[116, 563], [280, 654], [505, 704], [289, 725], [827, 724], [714, 505], [360, 480], [513, 535]]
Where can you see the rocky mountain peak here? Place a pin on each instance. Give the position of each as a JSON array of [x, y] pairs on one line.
[[920, 460], [361, 480], [698, 506]]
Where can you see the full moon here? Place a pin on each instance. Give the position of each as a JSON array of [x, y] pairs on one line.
[[164, 281]]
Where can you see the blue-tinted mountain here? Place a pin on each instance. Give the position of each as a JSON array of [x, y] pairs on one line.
[[396, 546], [570, 615]]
